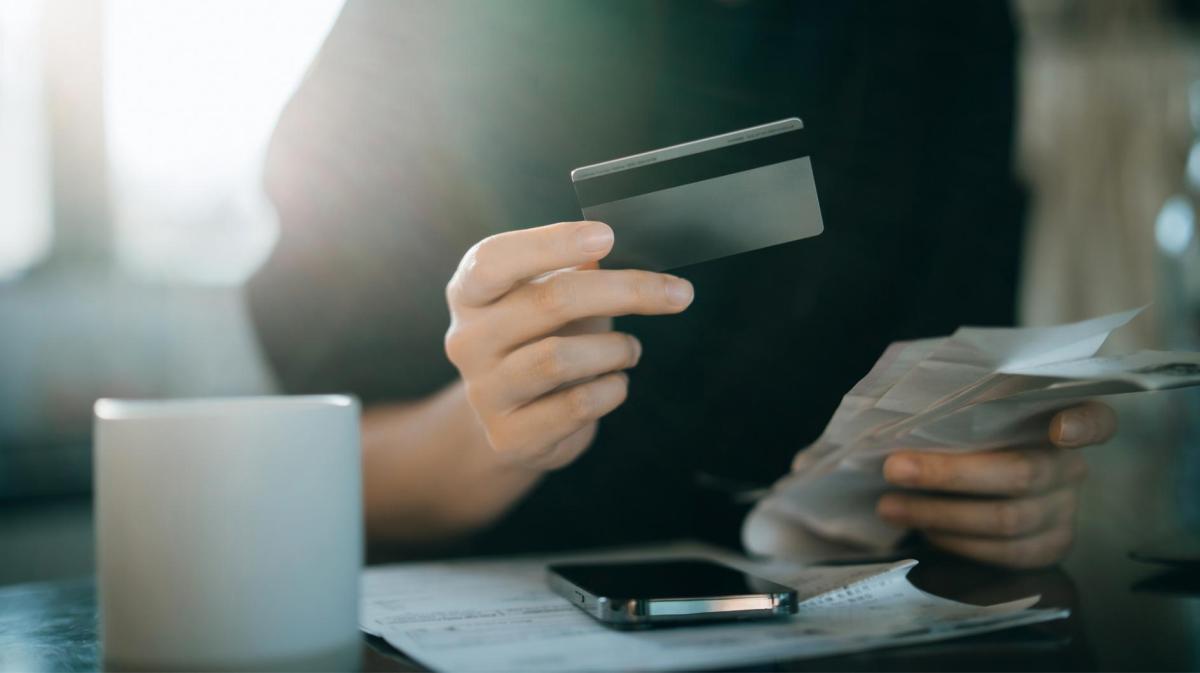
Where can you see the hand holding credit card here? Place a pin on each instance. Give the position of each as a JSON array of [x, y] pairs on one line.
[[705, 199]]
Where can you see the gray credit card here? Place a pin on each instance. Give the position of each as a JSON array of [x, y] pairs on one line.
[[705, 199]]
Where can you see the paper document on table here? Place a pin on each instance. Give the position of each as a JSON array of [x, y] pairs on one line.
[[500, 615], [978, 389]]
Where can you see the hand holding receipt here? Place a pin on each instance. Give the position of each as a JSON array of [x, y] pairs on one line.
[[985, 396]]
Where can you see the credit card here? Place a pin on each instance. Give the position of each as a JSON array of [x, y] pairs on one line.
[[705, 199]]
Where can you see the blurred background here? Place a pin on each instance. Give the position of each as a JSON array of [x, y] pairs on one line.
[[131, 136], [131, 140]]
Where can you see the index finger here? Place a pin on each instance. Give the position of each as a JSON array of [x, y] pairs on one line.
[[1006, 472], [494, 265]]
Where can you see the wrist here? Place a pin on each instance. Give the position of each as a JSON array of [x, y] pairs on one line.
[[429, 472]]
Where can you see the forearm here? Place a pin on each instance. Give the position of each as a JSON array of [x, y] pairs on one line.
[[429, 474]]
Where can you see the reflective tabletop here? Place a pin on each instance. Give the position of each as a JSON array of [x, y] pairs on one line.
[[1143, 617]]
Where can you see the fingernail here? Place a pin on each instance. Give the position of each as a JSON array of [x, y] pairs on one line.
[[901, 470], [1072, 429], [595, 237], [679, 292], [891, 507], [637, 349]]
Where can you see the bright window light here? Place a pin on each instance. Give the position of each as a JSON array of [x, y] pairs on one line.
[[192, 91], [25, 212]]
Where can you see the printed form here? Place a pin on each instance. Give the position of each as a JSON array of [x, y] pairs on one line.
[[500, 615]]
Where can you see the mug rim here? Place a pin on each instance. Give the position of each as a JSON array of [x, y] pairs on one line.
[[114, 409]]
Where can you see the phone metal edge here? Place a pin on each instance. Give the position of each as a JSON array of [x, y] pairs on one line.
[[640, 612]]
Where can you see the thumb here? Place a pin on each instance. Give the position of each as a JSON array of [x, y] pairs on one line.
[[1084, 425]]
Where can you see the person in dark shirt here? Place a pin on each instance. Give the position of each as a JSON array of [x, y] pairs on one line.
[[432, 142]]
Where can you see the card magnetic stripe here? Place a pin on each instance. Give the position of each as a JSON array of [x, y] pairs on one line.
[[692, 168]]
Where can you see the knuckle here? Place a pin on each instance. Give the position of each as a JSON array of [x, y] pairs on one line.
[[479, 275], [1023, 473], [456, 344], [647, 289], [484, 277], [560, 238], [553, 295], [638, 288], [480, 262], [580, 403], [550, 361], [1011, 519], [932, 471]]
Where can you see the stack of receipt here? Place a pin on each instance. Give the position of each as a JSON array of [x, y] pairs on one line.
[[979, 389]]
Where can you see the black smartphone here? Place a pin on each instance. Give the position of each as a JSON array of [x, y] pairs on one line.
[[670, 591]]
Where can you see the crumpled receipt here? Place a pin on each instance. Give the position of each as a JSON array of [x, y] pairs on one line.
[[978, 389]]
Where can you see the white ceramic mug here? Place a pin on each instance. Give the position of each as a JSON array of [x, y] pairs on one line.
[[229, 532]]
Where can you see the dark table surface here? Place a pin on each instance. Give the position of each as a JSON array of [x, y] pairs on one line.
[[1144, 617]]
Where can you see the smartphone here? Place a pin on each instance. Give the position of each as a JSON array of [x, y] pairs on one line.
[[663, 592]]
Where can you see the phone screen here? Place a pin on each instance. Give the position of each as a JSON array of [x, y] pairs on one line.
[[684, 578]]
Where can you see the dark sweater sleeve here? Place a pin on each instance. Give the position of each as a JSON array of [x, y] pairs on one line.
[[352, 297]]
